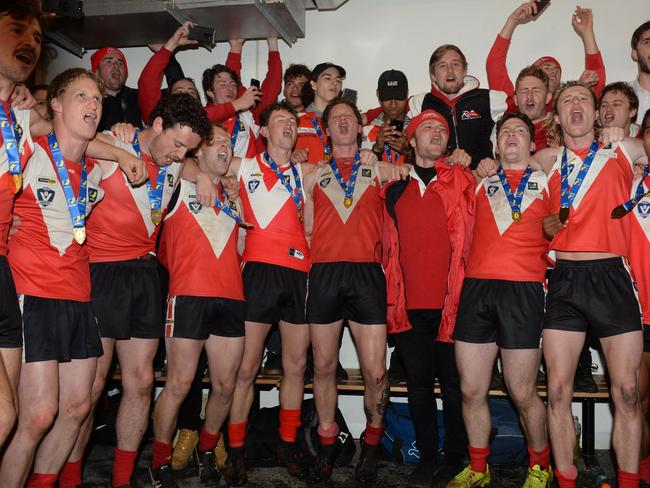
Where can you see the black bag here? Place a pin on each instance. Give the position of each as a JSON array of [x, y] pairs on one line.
[[262, 437]]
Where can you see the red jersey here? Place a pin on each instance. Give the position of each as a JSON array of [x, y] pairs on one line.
[[343, 233], [640, 247], [606, 185], [247, 131], [122, 229], [7, 186], [370, 137], [311, 136], [503, 249], [278, 235], [207, 264], [45, 260]]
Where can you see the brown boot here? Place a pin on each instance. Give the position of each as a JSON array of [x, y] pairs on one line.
[[184, 448]]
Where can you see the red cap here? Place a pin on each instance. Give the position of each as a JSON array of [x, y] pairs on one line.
[[547, 59], [423, 117], [100, 54]]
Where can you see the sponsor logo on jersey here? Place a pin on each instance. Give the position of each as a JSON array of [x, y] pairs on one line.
[[170, 180], [470, 115], [92, 195], [306, 130], [45, 179], [533, 186], [45, 196], [253, 185], [366, 172], [296, 254], [644, 209], [491, 190], [195, 207], [324, 182]]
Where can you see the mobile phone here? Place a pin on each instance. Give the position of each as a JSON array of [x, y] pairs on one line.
[[541, 5], [205, 35], [64, 8], [398, 124], [350, 95], [255, 83]]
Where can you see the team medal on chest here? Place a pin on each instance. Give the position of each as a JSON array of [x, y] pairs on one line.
[[296, 193], [348, 188], [156, 216], [79, 234], [568, 195], [514, 200], [11, 135], [154, 196]]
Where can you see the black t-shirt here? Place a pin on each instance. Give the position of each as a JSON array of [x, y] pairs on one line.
[[122, 107]]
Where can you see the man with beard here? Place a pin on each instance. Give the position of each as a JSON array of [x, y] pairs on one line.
[[641, 55]]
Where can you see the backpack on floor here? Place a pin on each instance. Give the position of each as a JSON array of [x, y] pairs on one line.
[[262, 437], [508, 443]]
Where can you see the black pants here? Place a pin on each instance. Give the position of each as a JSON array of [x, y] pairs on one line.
[[425, 359]]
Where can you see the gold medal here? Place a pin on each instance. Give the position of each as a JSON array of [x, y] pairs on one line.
[[156, 216], [18, 182], [79, 234], [516, 216], [300, 215], [347, 201], [564, 214]]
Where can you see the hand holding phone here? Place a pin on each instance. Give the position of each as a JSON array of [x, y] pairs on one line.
[[255, 83], [205, 35], [541, 5]]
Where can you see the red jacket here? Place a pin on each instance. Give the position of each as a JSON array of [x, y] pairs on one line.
[[456, 186]]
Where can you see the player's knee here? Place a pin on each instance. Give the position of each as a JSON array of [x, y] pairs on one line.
[[522, 395], [472, 392], [39, 417], [224, 388], [294, 367], [375, 376], [247, 373], [138, 382], [76, 409], [325, 365], [7, 418], [626, 396], [558, 395], [179, 387]]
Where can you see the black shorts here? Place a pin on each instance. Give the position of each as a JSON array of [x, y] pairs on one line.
[[344, 290], [646, 338], [509, 313], [59, 330], [126, 298], [199, 317], [274, 293], [11, 330], [595, 295]]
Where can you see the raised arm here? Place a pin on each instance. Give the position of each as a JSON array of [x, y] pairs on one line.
[[582, 22], [272, 84]]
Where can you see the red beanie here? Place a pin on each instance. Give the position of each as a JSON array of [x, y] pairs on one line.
[[423, 117], [100, 54], [547, 59]]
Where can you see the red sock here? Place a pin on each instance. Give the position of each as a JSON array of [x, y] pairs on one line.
[[123, 467], [372, 435], [328, 436], [207, 441], [541, 458], [628, 480], [289, 423], [567, 479], [162, 454], [237, 434], [478, 458], [644, 469], [70, 475], [40, 480]]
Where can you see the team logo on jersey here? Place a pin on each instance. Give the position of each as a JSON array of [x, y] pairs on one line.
[[195, 207], [170, 180], [570, 167], [45, 196], [324, 182], [366, 172], [253, 185], [92, 195], [533, 186], [491, 190], [643, 209], [470, 115]]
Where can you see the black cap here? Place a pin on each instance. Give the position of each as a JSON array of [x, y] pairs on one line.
[[319, 68], [392, 85]]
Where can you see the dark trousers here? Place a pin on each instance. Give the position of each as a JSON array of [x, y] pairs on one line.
[[189, 415], [425, 359]]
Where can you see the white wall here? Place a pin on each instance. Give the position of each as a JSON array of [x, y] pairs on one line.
[[368, 36]]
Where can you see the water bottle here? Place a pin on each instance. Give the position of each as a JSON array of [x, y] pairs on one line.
[[578, 452]]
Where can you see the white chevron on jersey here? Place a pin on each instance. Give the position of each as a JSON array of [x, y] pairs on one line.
[[498, 200], [26, 145], [642, 210], [42, 179], [265, 203], [602, 156], [326, 180], [243, 136]]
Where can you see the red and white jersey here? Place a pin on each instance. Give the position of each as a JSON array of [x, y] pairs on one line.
[[45, 260], [343, 233], [640, 247], [607, 185], [370, 137], [7, 194], [503, 249], [205, 264], [309, 139], [278, 235], [248, 131], [122, 229]]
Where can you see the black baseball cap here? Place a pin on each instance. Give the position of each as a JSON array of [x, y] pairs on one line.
[[319, 68], [392, 85]]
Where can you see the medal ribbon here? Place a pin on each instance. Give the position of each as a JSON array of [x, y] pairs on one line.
[[568, 195], [76, 206], [326, 149], [11, 135], [235, 131], [389, 153], [348, 188], [514, 199], [225, 207], [296, 193], [631, 203], [155, 196]]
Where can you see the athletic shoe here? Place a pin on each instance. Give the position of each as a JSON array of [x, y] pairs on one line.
[[184, 448], [468, 478], [322, 470], [290, 456], [538, 477], [162, 477], [366, 469], [423, 474], [208, 471], [235, 470]]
